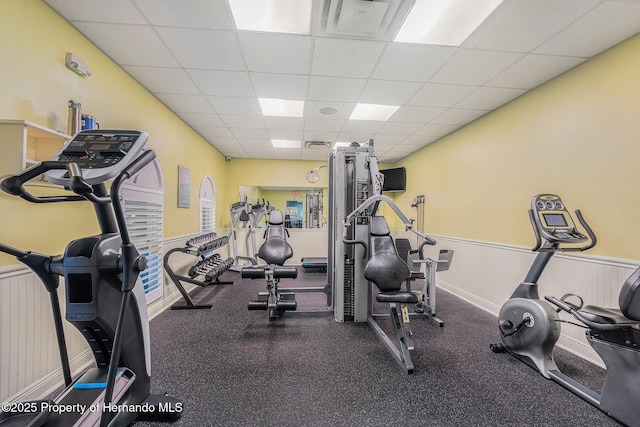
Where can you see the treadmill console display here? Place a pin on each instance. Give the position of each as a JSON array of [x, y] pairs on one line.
[[100, 154], [553, 220]]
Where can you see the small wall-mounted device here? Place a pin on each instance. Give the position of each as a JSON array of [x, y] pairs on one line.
[[77, 65]]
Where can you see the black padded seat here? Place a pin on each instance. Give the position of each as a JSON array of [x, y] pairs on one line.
[[605, 316], [399, 297], [385, 268], [275, 250]]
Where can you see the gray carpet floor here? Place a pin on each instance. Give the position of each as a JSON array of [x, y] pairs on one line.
[[233, 367]]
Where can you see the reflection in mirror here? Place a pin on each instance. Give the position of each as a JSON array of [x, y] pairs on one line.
[[303, 207]]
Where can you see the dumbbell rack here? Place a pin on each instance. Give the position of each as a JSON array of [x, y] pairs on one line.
[[205, 272]]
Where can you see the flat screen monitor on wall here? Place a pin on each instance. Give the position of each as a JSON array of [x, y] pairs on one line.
[[394, 179]]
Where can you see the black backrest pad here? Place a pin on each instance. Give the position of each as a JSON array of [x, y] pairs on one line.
[[384, 268], [275, 249], [629, 298]]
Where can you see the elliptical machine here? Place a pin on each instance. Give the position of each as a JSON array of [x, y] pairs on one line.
[[103, 300], [530, 327]]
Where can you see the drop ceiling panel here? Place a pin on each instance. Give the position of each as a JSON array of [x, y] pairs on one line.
[[521, 26], [276, 53], [223, 83], [207, 14], [609, 22], [185, 103], [439, 95], [144, 47], [191, 56], [458, 116], [474, 67], [532, 70], [388, 92], [416, 114], [114, 11], [235, 105], [286, 134], [280, 86], [411, 62], [167, 80], [489, 98], [345, 58], [335, 88], [198, 119], [209, 49]]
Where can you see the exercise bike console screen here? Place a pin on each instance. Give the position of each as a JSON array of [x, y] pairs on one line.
[[553, 220], [99, 154]]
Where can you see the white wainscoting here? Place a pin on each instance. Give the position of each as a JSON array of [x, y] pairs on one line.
[[485, 274], [482, 273]]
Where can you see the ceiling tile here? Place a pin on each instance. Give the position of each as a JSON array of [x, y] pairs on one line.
[[185, 103], [225, 142], [387, 139], [198, 119], [236, 121], [235, 105], [213, 132], [362, 126], [436, 130], [416, 114], [489, 98], [167, 80], [458, 116], [474, 67], [438, 95], [388, 92], [312, 109], [399, 128], [114, 11], [289, 123], [323, 124], [280, 86], [532, 70], [223, 83], [415, 141], [287, 134], [520, 26], [411, 62], [207, 14], [276, 53], [345, 58], [335, 88], [596, 31], [354, 137], [257, 144], [320, 135], [208, 49], [250, 133], [144, 47]]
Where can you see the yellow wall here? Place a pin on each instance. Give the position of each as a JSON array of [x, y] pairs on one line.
[[36, 86], [577, 135]]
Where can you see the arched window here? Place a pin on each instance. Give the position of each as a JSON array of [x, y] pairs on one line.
[[207, 205], [143, 196]]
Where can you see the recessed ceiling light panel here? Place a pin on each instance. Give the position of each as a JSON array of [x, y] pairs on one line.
[[274, 16], [376, 112], [285, 143], [281, 107], [444, 22]]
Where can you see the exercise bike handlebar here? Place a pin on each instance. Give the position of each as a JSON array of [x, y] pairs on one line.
[[593, 240]]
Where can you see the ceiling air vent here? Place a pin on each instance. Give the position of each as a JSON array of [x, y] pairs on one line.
[[317, 144], [362, 19]]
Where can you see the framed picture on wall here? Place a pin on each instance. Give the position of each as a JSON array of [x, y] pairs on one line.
[[184, 187]]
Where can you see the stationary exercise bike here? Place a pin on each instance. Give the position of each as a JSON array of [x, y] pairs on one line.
[[103, 300], [530, 327]]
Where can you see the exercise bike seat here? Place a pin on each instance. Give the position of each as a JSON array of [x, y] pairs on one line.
[[605, 316], [385, 268], [275, 250]]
